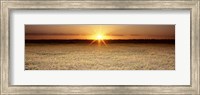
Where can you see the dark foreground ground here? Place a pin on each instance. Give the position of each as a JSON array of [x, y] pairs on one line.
[[114, 56], [169, 41]]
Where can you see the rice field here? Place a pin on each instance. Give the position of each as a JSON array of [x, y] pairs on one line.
[[115, 56]]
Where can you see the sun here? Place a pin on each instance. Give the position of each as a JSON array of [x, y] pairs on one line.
[[99, 37]]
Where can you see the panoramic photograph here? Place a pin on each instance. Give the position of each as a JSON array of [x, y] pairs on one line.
[[100, 47]]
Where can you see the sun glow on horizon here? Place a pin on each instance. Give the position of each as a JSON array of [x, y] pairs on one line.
[[99, 38]]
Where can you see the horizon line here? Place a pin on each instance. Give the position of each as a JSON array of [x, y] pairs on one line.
[[96, 39]]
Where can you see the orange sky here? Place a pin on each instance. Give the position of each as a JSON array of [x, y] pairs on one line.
[[42, 32]]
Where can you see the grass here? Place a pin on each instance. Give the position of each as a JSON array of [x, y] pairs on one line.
[[116, 56]]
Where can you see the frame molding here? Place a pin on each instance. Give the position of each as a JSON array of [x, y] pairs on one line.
[[8, 5]]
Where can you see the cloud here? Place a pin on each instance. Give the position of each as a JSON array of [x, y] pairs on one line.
[[45, 34], [152, 35], [136, 35], [115, 35]]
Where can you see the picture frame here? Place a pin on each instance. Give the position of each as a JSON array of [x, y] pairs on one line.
[[7, 6]]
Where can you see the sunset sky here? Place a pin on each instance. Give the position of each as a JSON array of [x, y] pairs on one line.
[[69, 32]]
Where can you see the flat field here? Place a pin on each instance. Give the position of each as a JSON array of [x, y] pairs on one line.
[[114, 56]]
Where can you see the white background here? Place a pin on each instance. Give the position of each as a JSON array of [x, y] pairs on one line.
[[179, 76]]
